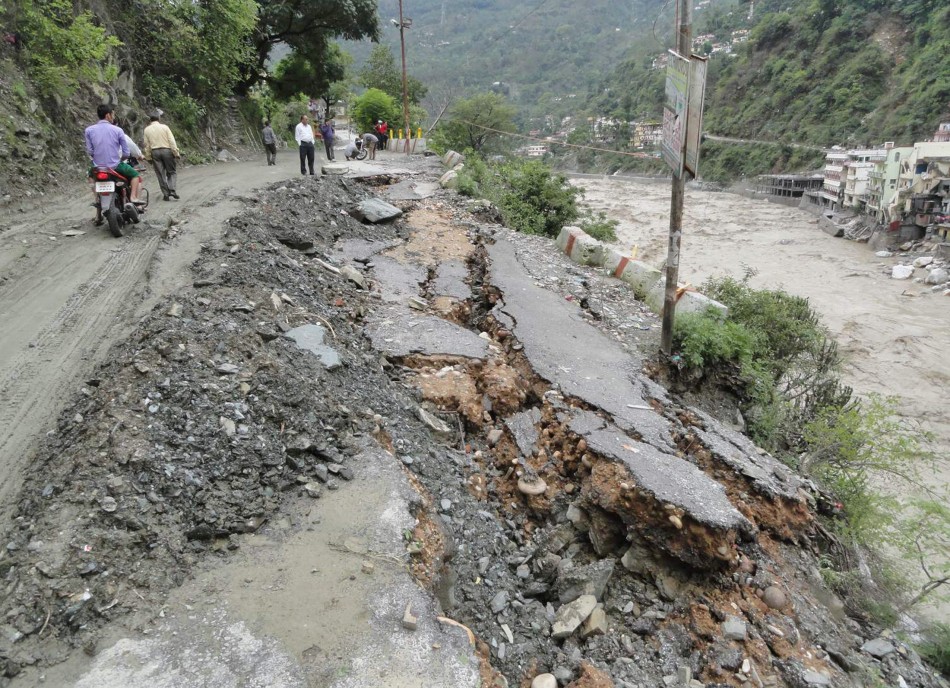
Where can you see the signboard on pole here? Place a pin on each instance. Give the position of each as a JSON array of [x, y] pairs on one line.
[[694, 110], [675, 111]]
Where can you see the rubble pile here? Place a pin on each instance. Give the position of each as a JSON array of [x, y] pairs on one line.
[[588, 537]]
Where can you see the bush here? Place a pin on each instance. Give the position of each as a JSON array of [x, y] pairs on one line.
[[600, 226], [372, 106], [935, 647], [531, 198], [64, 49]]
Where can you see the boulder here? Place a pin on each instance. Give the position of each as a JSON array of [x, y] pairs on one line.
[[938, 276], [375, 210], [570, 616], [449, 180], [902, 272], [591, 579]]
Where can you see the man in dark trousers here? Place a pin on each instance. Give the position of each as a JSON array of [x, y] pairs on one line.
[[328, 133], [270, 143], [161, 149], [304, 135]]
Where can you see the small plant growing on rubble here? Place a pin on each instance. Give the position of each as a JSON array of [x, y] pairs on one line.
[[600, 226]]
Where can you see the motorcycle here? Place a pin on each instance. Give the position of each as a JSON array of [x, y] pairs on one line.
[[112, 200], [361, 151]]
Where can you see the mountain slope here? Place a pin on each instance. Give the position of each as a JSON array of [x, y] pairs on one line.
[[845, 71]]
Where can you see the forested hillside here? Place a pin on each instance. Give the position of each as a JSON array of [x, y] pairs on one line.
[[838, 71], [546, 54]]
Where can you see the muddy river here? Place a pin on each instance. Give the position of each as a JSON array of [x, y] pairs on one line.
[[894, 334]]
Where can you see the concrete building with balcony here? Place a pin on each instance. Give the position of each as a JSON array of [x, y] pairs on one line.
[[835, 176], [883, 179]]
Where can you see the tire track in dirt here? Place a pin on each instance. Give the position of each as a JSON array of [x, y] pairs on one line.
[[65, 301], [33, 383]]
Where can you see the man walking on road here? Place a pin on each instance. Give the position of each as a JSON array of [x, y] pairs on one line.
[[162, 151], [304, 135], [328, 133], [270, 143]]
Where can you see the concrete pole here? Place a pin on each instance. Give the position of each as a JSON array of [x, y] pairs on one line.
[[405, 79], [684, 39]]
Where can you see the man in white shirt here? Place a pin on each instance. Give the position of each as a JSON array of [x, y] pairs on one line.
[[304, 135]]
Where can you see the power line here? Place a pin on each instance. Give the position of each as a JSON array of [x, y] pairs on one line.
[[628, 154]]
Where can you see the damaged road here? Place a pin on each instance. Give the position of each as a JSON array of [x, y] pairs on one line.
[[418, 453]]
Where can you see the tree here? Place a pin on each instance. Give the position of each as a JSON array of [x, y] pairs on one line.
[[297, 74], [478, 122], [372, 106], [381, 72], [307, 25]]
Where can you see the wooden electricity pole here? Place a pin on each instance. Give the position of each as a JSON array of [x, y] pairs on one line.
[[684, 48], [405, 79]]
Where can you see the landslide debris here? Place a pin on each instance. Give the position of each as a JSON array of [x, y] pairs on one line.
[[533, 527]]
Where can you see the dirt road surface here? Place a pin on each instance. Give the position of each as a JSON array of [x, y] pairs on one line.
[[64, 300], [893, 333]]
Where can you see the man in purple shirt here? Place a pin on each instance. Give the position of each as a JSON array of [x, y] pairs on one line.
[[105, 144]]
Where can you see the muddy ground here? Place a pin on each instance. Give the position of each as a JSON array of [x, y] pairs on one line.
[[320, 408]]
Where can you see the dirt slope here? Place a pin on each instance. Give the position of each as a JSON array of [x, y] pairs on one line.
[[65, 300]]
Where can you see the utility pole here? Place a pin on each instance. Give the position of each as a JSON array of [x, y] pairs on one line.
[[405, 79], [684, 38]]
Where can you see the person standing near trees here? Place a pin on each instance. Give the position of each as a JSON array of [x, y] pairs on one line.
[[270, 143], [305, 139], [382, 133], [328, 133], [370, 141], [162, 151]]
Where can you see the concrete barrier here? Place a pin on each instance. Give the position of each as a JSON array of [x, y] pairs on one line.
[[449, 180], [637, 274], [649, 284], [451, 159], [581, 247]]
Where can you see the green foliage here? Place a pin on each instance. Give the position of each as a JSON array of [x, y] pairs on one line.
[[381, 72], [820, 73], [372, 106], [705, 340], [935, 647], [298, 74], [64, 48], [600, 226], [307, 26], [531, 198], [535, 200], [726, 162], [476, 123]]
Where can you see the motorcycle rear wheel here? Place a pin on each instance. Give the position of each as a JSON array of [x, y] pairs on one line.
[[114, 218]]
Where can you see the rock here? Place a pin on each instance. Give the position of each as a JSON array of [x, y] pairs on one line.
[[335, 169], [531, 485], [354, 276], [224, 155], [227, 426], [902, 272], [596, 623], [570, 616], [668, 586], [418, 303], [375, 210], [321, 472], [883, 254], [432, 422], [544, 681], [734, 628], [907, 245], [923, 261], [311, 338], [591, 579], [578, 517], [228, 369], [684, 675], [938, 276], [174, 310], [879, 647], [449, 180], [774, 597], [499, 602], [367, 567], [408, 620], [494, 436], [109, 505], [813, 678], [725, 656], [313, 490], [605, 533]]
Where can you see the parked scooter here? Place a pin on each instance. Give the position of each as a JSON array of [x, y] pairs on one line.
[[112, 200]]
